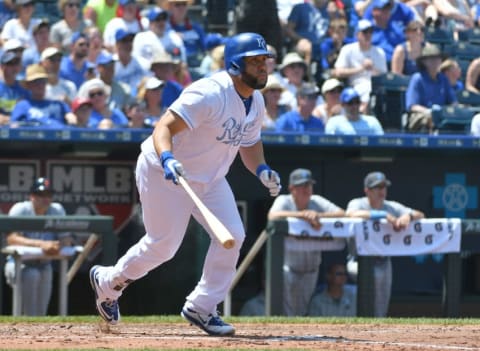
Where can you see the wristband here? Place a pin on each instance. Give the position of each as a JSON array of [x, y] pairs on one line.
[[378, 214], [262, 167], [165, 156]]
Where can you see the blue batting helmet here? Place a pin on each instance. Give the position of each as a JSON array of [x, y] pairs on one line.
[[240, 46]]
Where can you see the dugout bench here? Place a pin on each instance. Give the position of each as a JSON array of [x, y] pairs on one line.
[[101, 225], [365, 308]]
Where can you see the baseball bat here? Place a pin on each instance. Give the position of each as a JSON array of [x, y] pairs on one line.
[[92, 240], [217, 227]]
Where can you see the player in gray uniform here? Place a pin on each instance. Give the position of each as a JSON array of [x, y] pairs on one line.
[[36, 274], [198, 137], [375, 206], [302, 255]]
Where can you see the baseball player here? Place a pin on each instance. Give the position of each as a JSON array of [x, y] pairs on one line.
[[302, 255], [198, 138], [375, 206]]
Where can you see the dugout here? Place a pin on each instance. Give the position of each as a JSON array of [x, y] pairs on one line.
[[92, 174]]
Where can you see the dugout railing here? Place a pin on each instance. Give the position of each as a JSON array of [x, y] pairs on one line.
[[100, 225], [274, 235]]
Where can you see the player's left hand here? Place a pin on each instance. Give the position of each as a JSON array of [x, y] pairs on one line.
[[270, 179]]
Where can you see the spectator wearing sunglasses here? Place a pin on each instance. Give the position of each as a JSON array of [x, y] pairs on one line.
[[358, 62], [21, 27], [374, 205], [57, 88], [62, 30], [98, 93], [11, 90], [352, 121], [337, 299], [74, 66], [36, 110]]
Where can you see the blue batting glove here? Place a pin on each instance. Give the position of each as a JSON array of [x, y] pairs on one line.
[[172, 167], [269, 179]]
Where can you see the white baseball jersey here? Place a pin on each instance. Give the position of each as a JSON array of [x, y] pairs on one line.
[[218, 126]]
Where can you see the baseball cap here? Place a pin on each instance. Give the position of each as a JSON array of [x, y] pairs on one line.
[[78, 102], [121, 34], [43, 22], [213, 39], [8, 56], [331, 84], [273, 83], [50, 52], [308, 89], [22, 2], [364, 24], [301, 176], [41, 185], [155, 12], [348, 94], [162, 57], [374, 179], [154, 83], [104, 58], [77, 36], [13, 44]]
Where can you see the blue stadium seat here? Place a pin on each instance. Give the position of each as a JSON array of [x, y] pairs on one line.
[[453, 119], [471, 36], [462, 50], [387, 100], [439, 36], [470, 99]]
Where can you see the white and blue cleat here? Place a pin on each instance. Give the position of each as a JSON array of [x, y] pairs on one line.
[[211, 324]]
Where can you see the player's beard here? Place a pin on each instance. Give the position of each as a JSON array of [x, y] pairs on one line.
[[252, 81]]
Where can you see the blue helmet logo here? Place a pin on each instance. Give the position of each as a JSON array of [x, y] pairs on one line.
[[240, 46]]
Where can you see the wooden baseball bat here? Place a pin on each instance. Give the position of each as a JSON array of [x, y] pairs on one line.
[[217, 227], [92, 239]]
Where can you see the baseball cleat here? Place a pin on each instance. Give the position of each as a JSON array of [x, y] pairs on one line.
[[211, 324], [107, 308]]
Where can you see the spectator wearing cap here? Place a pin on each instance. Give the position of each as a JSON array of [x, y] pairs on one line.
[[99, 12], [302, 258], [272, 93], [71, 22], [127, 68], [390, 18], [163, 69], [98, 93], [293, 70], [11, 91], [301, 119], [331, 106], [120, 94], [82, 109], [212, 41], [375, 206], [21, 27], [74, 66], [41, 34], [351, 121], [427, 90], [15, 46], [37, 275], [36, 110], [158, 38], [58, 88], [150, 95], [127, 21], [191, 32], [359, 61]]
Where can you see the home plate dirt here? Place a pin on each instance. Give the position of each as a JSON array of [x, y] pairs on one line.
[[266, 336]]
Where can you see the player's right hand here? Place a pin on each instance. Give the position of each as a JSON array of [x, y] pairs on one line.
[[171, 167]]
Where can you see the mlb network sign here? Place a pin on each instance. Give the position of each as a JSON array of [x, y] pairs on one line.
[[16, 179]]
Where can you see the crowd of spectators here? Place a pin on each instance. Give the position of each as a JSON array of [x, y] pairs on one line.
[[126, 61]]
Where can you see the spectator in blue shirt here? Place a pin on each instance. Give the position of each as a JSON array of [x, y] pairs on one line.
[[352, 121], [192, 33], [37, 111], [428, 89], [74, 66], [301, 118], [390, 18], [10, 89]]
